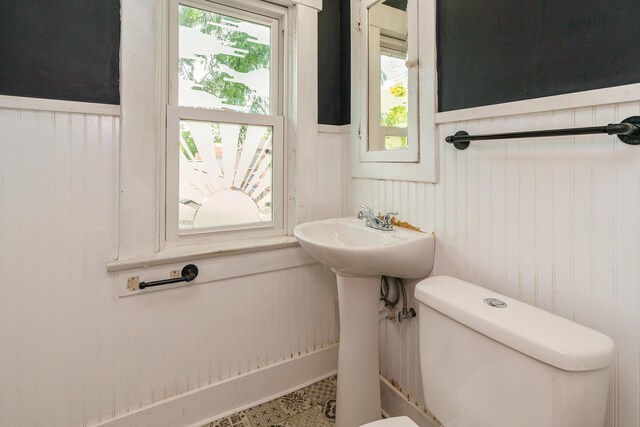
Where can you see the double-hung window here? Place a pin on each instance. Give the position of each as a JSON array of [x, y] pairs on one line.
[[224, 120]]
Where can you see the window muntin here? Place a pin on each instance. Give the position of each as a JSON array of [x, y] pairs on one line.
[[225, 137]]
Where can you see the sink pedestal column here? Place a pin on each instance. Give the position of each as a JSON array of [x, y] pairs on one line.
[[358, 397]]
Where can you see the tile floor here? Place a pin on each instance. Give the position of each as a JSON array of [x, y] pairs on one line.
[[311, 406]]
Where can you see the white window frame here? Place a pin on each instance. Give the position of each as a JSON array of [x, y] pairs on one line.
[[419, 162], [142, 150], [265, 14]]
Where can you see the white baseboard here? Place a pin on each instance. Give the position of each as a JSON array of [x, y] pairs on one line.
[[395, 404], [218, 400]]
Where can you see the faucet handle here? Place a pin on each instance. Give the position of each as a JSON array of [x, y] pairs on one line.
[[367, 208], [387, 217]]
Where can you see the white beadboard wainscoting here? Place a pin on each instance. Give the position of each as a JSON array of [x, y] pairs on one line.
[[74, 353], [334, 171], [554, 222]]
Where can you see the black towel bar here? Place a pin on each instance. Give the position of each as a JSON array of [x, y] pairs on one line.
[[628, 131], [189, 272]]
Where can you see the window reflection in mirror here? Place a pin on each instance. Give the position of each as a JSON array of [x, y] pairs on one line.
[[388, 75]]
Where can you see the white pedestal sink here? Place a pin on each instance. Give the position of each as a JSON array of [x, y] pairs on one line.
[[359, 255]]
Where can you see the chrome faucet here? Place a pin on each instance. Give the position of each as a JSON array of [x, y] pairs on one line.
[[373, 221]]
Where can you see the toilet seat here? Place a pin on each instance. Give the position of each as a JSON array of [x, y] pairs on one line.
[[392, 422]]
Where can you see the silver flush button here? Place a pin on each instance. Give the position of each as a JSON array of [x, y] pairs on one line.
[[494, 302]]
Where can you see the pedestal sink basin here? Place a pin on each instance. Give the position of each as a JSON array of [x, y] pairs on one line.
[[352, 249], [359, 255]]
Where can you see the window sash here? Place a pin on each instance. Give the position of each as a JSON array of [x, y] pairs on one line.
[[260, 13], [259, 16], [174, 116]]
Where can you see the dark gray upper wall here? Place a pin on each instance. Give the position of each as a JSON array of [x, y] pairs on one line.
[[62, 49], [329, 84], [345, 60], [69, 50], [334, 63], [496, 51]]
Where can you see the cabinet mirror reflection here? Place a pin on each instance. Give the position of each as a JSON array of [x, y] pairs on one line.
[[389, 80]]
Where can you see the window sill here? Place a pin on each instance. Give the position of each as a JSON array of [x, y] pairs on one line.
[[191, 253]]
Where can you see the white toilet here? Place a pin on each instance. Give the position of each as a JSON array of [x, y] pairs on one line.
[[491, 361]]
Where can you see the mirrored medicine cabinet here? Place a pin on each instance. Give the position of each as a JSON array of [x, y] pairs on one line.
[[393, 66]]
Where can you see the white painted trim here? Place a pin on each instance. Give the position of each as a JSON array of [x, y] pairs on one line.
[[58, 105], [589, 98], [334, 128], [192, 252], [215, 269], [218, 400], [302, 129], [396, 404], [171, 235], [142, 125], [141, 206]]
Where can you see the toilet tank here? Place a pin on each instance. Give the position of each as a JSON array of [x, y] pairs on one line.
[[504, 366]]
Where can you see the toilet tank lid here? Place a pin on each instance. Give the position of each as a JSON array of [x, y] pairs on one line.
[[537, 333]]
